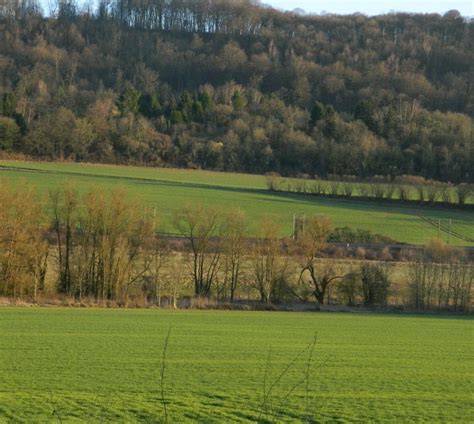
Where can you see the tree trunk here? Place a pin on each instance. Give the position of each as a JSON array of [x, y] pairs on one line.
[[319, 297]]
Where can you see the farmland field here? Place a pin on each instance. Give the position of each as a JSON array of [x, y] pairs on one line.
[[170, 189], [103, 365]]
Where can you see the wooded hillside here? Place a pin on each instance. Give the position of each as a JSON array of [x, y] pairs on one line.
[[234, 85]]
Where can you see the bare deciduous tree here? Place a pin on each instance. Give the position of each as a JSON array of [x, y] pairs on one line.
[[100, 239], [234, 230], [309, 245], [156, 256], [23, 250], [63, 203], [440, 277], [268, 266], [174, 282], [201, 226]]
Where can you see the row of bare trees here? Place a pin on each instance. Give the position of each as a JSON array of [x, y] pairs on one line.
[[211, 16], [438, 279], [102, 243], [104, 247], [223, 255], [406, 188], [23, 251]]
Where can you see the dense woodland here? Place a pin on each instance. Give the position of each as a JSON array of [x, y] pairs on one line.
[[234, 85]]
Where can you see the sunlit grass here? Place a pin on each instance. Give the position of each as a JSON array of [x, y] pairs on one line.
[[94, 365], [169, 189]]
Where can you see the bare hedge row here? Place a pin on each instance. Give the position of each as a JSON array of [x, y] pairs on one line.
[[406, 188]]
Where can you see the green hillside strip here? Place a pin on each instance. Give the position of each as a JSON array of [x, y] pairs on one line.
[[99, 365], [169, 189], [144, 173]]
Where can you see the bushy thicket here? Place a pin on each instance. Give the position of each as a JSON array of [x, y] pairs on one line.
[[357, 235], [232, 85]]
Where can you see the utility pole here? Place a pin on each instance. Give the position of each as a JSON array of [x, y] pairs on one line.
[[294, 226], [449, 234], [299, 222]]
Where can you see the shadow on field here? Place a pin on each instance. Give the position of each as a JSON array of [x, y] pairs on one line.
[[351, 205]]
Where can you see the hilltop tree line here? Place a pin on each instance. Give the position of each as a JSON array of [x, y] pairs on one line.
[[102, 248], [236, 86]]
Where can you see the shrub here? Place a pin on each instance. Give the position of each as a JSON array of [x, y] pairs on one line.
[[356, 235], [365, 189], [349, 185], [274, 181], [420, 192], [386, 255], [375, 284], [431, 192], [463, 192], [349, 288], [446, 194], [317, 187], [405, 192], [348, 189], [389, 190], [361, 253], [300, 186], [378, 190], [334, 187], [407, 183]]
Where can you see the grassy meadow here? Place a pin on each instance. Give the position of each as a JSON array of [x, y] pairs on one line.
[[169, 189], [93, 365]]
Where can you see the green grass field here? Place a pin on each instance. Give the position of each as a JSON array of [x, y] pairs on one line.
[[169, 189], [103, 365]]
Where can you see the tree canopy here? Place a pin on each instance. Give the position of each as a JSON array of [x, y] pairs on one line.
[[236, 85]]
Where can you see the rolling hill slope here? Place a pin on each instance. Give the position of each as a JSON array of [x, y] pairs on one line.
[[170, 189]]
